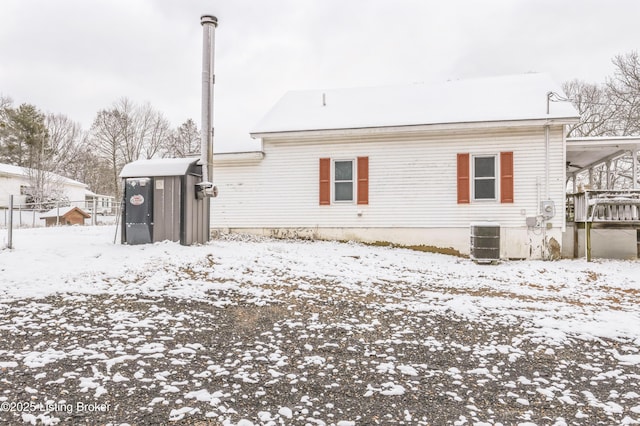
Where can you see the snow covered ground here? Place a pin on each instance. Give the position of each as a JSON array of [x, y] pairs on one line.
[[258, 331]]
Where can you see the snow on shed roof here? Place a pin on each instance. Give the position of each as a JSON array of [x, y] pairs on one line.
[[507, 98], [63, 211], [158, 167]]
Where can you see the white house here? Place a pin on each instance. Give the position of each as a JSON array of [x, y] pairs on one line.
[[16, 181], [103, 204], [411, 165]]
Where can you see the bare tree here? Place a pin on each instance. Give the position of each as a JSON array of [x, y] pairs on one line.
[[127, 132], [53, 143], [106, 140], [154, 131], [159, 137], [611, 109], [65, 138], [5, 106], [131, 124], [144, 130], [5, 102], [624, 88], [595, 106], [184, 141], [91, 169]]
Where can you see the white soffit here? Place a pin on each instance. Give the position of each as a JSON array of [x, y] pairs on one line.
[[585, 152]]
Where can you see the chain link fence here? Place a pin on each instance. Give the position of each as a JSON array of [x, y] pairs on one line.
[[29, 215]]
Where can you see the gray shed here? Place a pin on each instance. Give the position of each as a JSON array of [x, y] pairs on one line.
[[164, 200]]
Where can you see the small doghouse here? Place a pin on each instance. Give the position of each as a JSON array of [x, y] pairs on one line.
[[65, 216]]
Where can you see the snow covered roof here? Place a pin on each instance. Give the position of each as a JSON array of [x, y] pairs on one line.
[[507, 98], [92, 194], [158, 167], [227, 158], [10, 169], [17, 171], [63, 211]]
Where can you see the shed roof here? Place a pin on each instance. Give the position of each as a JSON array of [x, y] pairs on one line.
[[63, 211], [158, 167], [507, 98]]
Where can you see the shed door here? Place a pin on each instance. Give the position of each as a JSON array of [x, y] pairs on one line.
[[138, 211]]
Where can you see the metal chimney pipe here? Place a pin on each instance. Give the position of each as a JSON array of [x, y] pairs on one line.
[[209, 24]]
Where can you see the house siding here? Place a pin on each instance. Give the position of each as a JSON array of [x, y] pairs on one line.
[[412, 184], [10, 185]]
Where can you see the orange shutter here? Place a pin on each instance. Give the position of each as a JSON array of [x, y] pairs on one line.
[[506, 177], [325, 181], [363, 180], [463, 179]]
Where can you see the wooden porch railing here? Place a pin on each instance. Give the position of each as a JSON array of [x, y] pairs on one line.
[[608, 206]]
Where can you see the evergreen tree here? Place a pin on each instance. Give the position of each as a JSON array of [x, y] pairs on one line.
[[26, 140]]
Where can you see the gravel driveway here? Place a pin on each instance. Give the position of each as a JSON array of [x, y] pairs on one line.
[[140, 360]]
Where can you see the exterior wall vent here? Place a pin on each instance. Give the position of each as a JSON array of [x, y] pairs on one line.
[[485, 242]]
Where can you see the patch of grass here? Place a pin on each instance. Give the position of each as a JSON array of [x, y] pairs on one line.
[[423, 248], [592, 276], [249, 318]]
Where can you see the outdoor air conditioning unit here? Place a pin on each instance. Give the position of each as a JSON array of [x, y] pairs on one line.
[[485, 242]]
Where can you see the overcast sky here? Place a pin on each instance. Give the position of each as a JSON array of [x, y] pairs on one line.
[[76, 57]]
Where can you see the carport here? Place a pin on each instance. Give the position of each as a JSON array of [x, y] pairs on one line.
[[605, 207]]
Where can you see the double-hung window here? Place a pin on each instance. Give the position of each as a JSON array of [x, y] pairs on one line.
[[484, 177], [343, 180]]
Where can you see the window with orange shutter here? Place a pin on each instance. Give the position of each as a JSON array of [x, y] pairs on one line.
[[344, 181], [483, 177]]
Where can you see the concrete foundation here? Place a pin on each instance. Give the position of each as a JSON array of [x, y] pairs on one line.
[[605, 243], [515, 243]]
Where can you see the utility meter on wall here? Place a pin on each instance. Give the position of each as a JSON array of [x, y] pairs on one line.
[[547, 209]]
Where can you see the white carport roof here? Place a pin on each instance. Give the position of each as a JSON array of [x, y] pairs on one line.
[[584, 153]]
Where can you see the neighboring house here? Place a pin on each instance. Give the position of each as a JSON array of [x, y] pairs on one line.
[[65, 216], [104, 204], [412, 165], [16, 181]]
